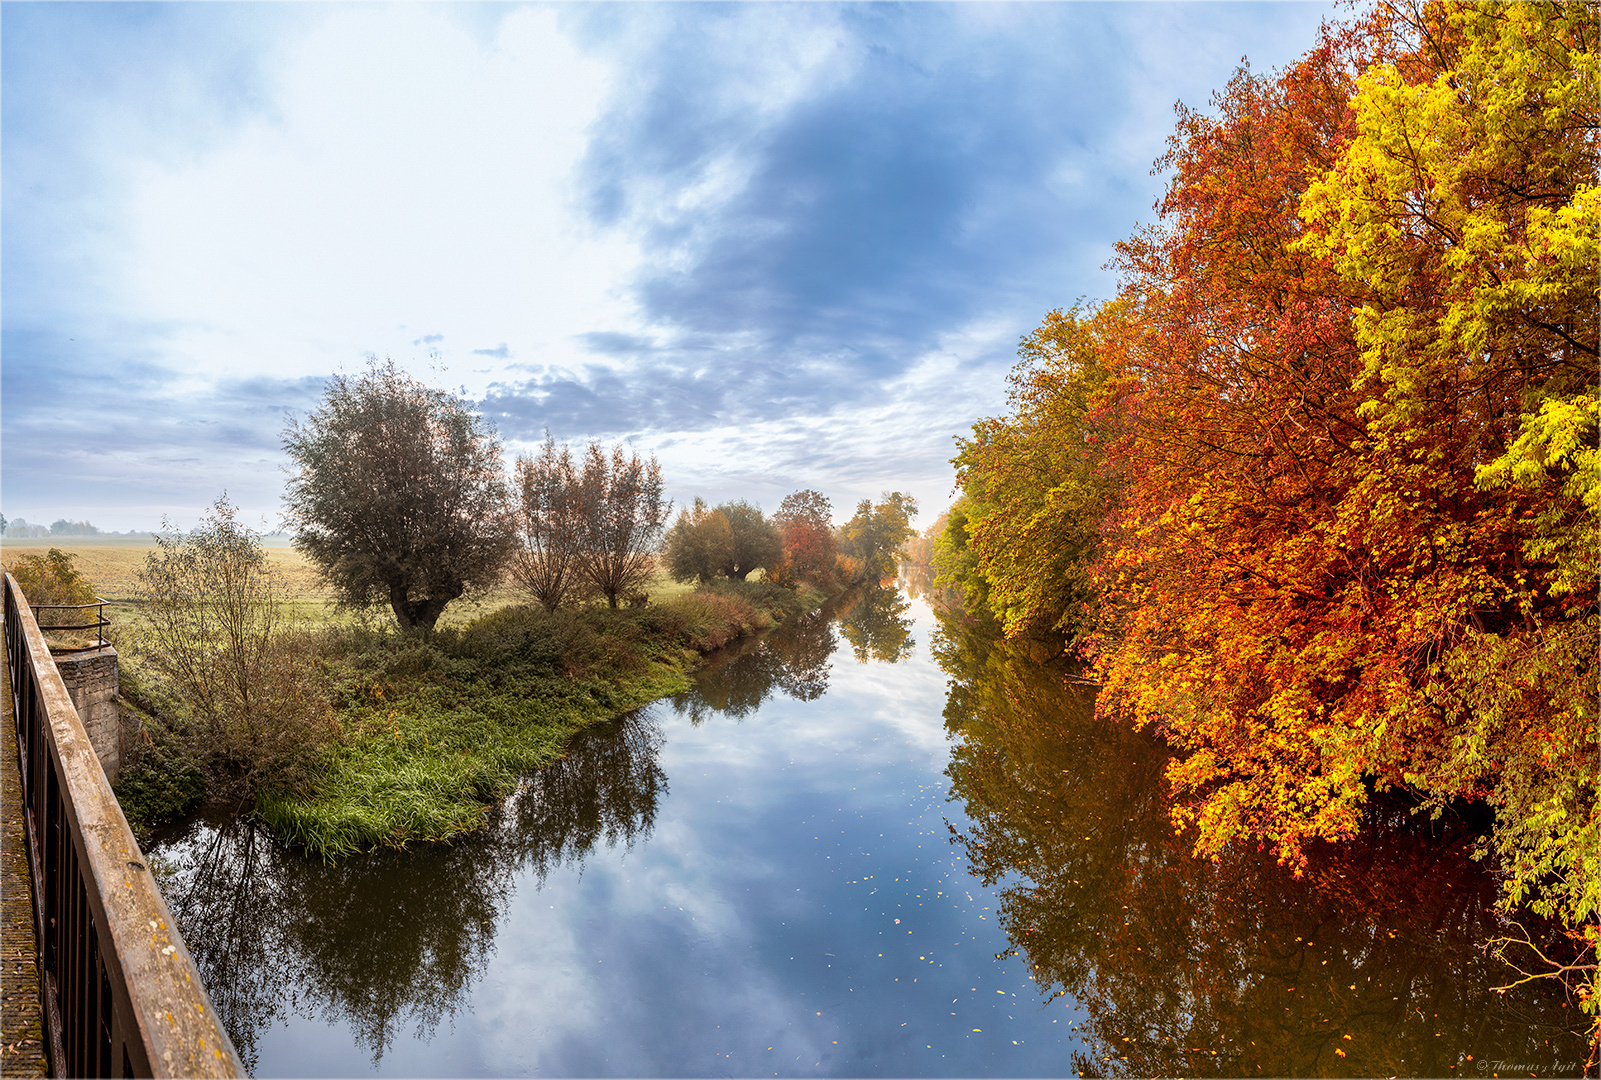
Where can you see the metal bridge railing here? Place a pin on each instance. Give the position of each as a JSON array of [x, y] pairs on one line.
[[122, 996], [98, 626]]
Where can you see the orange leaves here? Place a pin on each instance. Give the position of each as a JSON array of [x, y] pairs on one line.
[[1318, 490]]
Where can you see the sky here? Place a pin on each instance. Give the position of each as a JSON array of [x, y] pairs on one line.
[[778, 246]]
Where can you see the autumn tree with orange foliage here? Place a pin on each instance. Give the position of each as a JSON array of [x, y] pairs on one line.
[[1349, 388], [806, 527]]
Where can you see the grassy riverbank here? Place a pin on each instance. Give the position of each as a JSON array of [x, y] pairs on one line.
[[433, 731]]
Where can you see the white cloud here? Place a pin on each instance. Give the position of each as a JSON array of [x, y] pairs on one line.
[[406, 182]]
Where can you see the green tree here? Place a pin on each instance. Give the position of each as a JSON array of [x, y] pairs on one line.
[[400, 496], [753, 542], [730, 540], [1037, 482], [872, 539], [696, 543]]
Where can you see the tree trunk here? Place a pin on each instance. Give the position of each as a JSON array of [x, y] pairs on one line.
[[422, 613]]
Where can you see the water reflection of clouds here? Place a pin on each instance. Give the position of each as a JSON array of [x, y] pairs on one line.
[[656, 963], [707, 935], [744, 925]]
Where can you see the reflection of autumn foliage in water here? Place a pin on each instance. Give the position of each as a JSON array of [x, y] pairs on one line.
[[394, 938], [1371, 964], [873, 622], [793, 659]]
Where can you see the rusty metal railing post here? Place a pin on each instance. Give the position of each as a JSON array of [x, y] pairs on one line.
[[122, 996]]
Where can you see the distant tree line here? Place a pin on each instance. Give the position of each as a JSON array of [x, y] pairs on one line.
[[23, 529], [798, 544]]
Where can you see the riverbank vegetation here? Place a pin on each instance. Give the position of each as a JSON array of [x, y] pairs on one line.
[[342, 733], [1315, 494], [347, 735], [393, 736]]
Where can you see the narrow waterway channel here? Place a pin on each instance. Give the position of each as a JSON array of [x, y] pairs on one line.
[[870, 845]]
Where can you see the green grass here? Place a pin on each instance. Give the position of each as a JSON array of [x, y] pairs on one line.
[[435, 731]]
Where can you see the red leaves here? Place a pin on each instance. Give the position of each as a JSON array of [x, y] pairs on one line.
[[1277, 543]]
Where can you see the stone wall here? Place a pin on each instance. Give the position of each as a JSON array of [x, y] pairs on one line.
[[91, 679]]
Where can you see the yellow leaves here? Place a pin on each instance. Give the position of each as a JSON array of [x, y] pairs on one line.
[[1287, 569], [1557, 449], [1455, 208]]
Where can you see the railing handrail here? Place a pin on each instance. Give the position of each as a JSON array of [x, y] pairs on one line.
[[122, 994], [98, 626]]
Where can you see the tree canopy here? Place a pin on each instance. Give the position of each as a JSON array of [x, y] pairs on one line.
[[399, 495], [1319, 487], [806, 529], [729, 540], [872, 538]]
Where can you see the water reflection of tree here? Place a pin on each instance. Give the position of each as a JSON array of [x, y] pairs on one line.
[[793, 659], [392, 939], [607, 788], [1235, 968], [873, 623]]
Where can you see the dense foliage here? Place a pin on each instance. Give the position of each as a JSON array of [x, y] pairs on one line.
[[805, 526], [871, 542], [1318, 490], [1370, 963], [730, 540]]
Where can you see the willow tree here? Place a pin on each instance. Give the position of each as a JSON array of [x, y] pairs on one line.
[[624, 513], [551, 524], [400, 495]]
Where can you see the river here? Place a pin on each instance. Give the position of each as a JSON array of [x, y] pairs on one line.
[[873, 843]]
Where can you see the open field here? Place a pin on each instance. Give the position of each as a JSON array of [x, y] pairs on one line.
[[112, 564]]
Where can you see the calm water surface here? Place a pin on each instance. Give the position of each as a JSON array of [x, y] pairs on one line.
[[872, 846]]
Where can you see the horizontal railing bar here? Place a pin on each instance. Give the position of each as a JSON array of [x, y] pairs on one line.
[[96, 602], [48, 627]]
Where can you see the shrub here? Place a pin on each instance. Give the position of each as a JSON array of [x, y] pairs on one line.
[[249, 700], [52, 579]]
